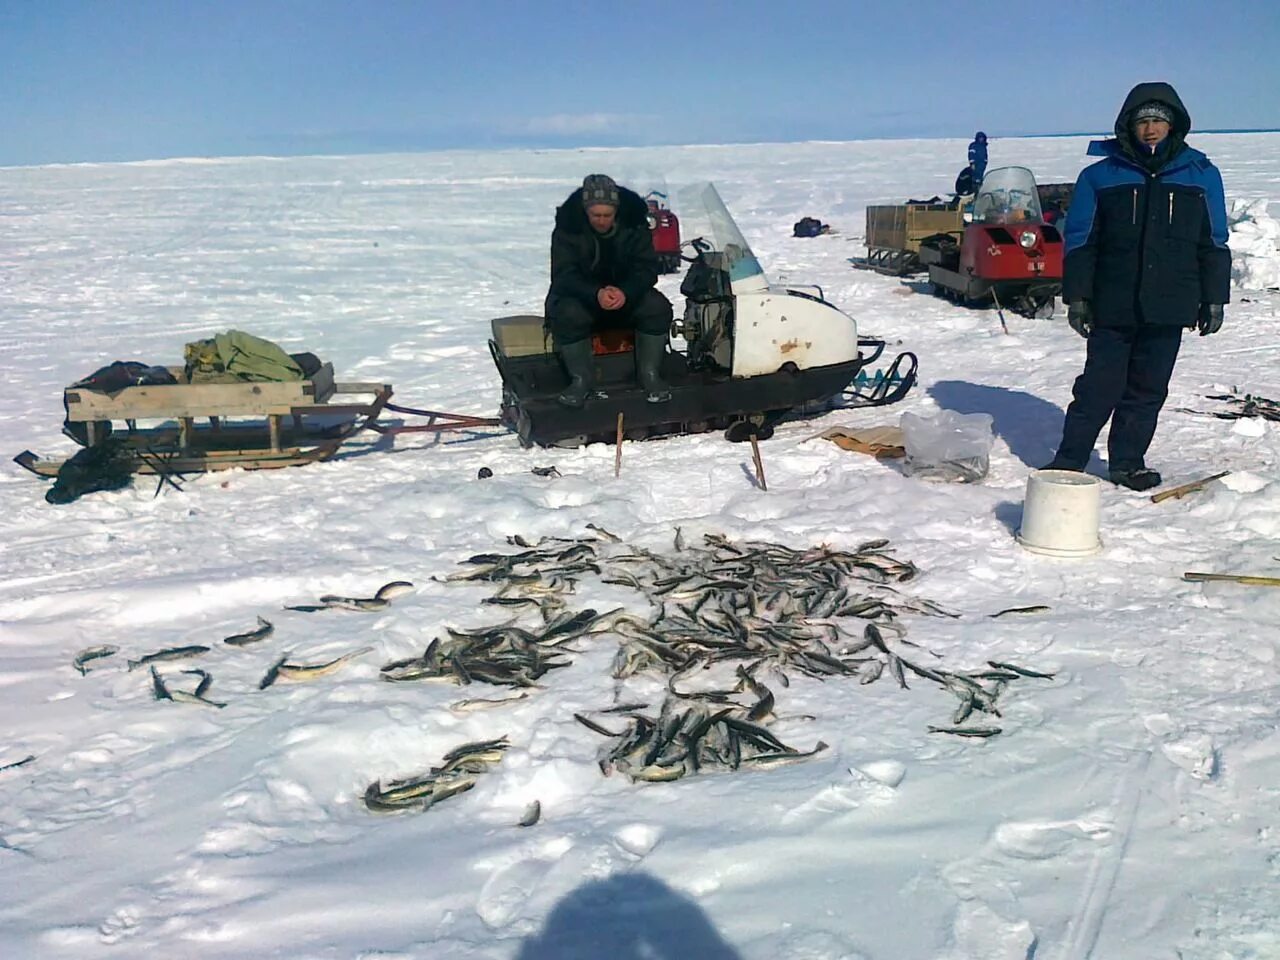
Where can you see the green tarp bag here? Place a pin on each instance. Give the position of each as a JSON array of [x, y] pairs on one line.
[[236, 356]]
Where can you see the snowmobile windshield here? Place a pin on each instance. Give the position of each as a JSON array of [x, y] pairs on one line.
[[1007, 195], [725, 237]]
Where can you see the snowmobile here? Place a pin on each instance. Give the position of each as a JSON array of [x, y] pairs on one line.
[[665, 227], [1007, 254], [753, 352]]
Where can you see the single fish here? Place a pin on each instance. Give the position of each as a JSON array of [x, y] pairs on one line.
[[656, 774], [309, 671], [481, 703], [396, 588], [19, 763], [595, 727], [531, 814], [781, 757], [1035, 608], [264, 630], [173, 653], [379, 601], [196, 696], [612, 538], [93, 653], [1021, 671], [272, 673], [158, 688], [360, 604], [181, 696], [205, 680], [977, 732]]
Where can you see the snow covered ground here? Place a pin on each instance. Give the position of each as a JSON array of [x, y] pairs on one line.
[[1129, 809]]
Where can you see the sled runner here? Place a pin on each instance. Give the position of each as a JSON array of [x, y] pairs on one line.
[[252, 425]]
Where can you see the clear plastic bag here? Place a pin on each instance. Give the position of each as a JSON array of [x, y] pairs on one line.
[[948, 446]]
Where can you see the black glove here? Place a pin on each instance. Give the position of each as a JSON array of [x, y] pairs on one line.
[[1210, 319], [1080, 317]]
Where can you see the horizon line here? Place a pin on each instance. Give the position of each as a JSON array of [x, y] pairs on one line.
[[585, 146]]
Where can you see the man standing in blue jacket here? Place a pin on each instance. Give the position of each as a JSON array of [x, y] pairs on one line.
[[1145, 256], [978, 158]]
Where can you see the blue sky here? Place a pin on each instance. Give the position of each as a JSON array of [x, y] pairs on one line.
[[88, 80]]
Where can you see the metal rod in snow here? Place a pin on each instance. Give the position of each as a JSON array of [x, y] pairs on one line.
[[755, 455], [617, 448], [999, 311]]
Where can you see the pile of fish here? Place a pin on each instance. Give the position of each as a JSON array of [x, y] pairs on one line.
[[504, 655], [456, 774], [755, 607], [691, 735]]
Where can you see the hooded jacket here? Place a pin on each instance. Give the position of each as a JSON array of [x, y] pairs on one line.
[[583, 261], [1146, 235]]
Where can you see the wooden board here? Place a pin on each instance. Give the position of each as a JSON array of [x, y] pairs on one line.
[[173, 401]]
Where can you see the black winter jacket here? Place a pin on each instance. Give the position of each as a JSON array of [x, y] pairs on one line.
[[1146, 236], [583, 261]]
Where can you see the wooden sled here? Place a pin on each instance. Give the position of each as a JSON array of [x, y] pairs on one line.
[[292, 423]]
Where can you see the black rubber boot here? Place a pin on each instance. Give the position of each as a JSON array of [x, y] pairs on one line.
[[1143, 478], [580, 365], [1056, 464], [650, 348]]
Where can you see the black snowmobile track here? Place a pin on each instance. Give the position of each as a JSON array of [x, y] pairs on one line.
[[701, 400]]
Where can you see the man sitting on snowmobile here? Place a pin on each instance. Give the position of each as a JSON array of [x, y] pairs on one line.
[[603, 272]]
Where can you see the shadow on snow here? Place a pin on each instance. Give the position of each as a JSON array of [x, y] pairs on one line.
[[631, 916]]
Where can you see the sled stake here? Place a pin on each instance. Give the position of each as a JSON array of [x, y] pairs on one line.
[[1178, 493], [999, 311], [755, 455], [617, 449], [1251, 581]]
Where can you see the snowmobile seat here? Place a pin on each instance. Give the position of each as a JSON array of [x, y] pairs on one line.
[[521, 336], [607, 340]]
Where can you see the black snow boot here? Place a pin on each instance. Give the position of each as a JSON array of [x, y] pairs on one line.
[[1143, 478], [580, 365], [650, 348]]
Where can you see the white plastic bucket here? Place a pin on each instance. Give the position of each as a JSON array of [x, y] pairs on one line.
[[1060, 514]]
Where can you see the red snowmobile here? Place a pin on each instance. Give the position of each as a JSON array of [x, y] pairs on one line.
[[1007, 255], [666, 232]]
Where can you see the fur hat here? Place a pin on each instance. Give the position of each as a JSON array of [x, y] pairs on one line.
[[599, 189], [1153, 110]]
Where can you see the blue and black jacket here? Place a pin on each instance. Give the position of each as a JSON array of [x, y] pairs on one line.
[[978, 157], [1146, 234]]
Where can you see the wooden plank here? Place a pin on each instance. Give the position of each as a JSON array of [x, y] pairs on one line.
[[168, 401], [1178, 493]]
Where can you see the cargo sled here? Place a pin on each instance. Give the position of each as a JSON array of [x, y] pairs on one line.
[[895, 231], [183, 427], [752, 353]]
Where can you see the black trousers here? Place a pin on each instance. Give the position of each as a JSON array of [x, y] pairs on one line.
[[571, 320], [1126, 378]]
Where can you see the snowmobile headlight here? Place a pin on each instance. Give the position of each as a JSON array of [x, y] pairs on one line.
[[1027, 239]]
